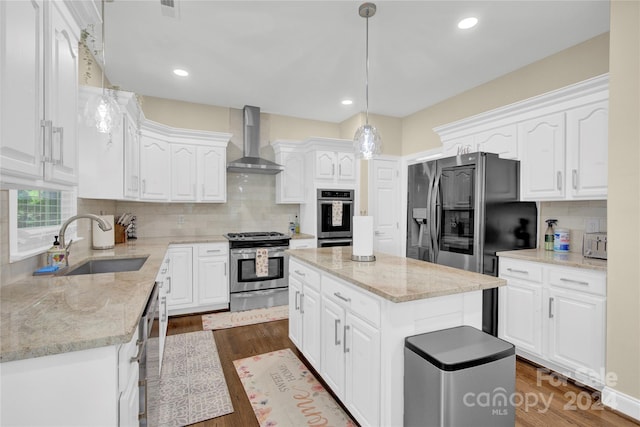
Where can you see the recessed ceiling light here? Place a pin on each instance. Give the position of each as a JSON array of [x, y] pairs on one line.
[[347, 102], [467, 23], [180, 72]]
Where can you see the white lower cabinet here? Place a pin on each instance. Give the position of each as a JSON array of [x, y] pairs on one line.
[[352, 348], [302, 243], [304, 307], [199, 278], [337, 329], [96, 387], [163, 280], [555, 316]]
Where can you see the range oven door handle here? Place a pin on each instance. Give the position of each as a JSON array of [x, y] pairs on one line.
[[251, 253]]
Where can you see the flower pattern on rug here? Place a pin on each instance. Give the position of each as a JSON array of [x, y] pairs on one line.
[[242, 318], [283, 392]]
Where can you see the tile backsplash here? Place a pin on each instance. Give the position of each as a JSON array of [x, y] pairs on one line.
[[577, 216]]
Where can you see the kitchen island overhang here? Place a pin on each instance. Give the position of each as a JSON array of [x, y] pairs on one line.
[[394, 298]]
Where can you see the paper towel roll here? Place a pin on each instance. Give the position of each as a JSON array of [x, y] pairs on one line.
[[103, 239], [363, 236]]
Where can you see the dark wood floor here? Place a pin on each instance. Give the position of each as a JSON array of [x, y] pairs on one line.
[[566, 403]]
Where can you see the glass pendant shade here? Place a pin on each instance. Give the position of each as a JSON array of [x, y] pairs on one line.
[[367, 142], [103, 112]]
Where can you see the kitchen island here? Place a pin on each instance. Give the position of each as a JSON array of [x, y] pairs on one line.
[[350, 320]]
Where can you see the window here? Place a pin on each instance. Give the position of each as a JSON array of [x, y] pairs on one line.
[[35, 217]]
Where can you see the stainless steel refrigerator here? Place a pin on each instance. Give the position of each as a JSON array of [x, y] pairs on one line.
[[462, 210]]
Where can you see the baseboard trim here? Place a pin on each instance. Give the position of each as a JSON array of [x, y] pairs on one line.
[[621, 402]]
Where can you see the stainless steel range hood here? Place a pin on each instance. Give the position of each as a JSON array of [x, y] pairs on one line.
[[252, 162]]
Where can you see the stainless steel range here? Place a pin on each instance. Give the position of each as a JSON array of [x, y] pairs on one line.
[[252, 287]]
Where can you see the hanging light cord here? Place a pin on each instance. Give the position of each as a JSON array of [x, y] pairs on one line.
[[104, 56], [367, 74]]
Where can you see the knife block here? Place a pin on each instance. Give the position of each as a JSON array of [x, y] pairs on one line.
[[120, 234]]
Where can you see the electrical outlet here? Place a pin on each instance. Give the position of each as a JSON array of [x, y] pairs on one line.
[[592, 225], [180, 219]]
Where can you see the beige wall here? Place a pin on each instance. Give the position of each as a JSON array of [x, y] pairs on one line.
[[623, 284], [572, 65], [292, 128], [186, 115]]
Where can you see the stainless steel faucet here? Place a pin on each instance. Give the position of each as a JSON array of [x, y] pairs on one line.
[[104, 226]]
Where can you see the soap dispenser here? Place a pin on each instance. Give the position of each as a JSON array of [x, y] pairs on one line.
[[56, 255], [548, 235]]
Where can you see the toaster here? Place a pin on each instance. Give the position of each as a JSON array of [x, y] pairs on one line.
[[594, 245]]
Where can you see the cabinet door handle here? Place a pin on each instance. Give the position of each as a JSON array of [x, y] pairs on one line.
[[513, 270], [59, 131], [47, 138], [169, 280], [339, 170], [297, 300], [299, 273], [574, 179], [551, 308], [144, 186], [333, 170], [344, 338], [577, 282], [337, 294], [559, 178], [136, 359], [225, 269], [336, 326], [163, 303], [211, 251]]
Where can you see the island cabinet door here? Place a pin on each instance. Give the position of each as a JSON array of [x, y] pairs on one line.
[[311, 325], [332, 345], [362, 350], [295, 315]]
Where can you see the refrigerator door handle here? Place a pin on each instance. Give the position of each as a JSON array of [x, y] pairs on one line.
[[435, 221]]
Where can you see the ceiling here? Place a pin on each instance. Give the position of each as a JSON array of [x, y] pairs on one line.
[[301, 58]]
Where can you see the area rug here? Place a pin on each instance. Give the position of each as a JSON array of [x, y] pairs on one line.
[[229, 319], [283, 392], [191, 387]]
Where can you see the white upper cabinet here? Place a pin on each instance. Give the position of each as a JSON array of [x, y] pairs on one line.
[[560, 138], [543, 146], [335, 166], [155, 168], [184, 176], [39, 85], [102, 172], [587, 154], [212, 173], [290, 183]]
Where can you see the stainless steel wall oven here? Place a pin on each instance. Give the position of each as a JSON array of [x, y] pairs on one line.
[[335, 217]]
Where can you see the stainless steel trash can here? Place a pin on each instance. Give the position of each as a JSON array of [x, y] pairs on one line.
[[459, 377]]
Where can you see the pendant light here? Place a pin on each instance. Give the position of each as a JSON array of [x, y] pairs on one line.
[[103, 111], [367, 141]]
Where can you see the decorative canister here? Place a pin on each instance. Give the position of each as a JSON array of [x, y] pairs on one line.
[[561, 240]]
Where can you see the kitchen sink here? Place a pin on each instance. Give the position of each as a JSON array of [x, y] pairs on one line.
[[108, 265]]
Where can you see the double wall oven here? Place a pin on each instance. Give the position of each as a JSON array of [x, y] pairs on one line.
[[249, 285], [335, 217]]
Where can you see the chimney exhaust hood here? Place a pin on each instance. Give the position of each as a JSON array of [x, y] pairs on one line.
[[252, 162]]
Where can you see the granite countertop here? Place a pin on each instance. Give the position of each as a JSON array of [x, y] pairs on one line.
[[569, 259], [45, 315], [395, 278]]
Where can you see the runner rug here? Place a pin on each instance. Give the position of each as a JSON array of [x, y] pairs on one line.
[[191, 387], [229, 319], [283, 392]]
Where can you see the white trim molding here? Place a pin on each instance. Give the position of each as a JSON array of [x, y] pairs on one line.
[[621, 402]]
